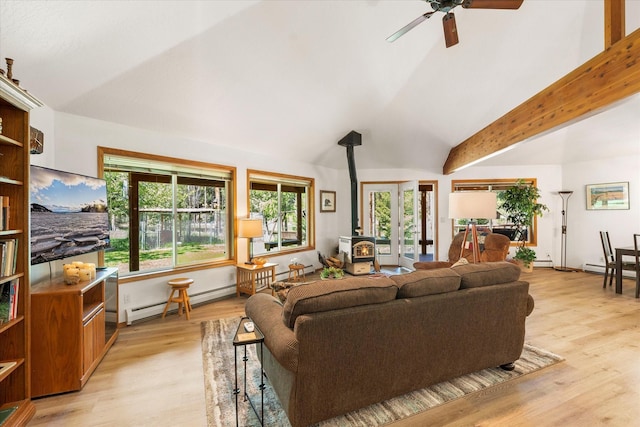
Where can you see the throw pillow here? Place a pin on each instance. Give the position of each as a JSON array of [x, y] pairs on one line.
[[281, 289], [461, 261]]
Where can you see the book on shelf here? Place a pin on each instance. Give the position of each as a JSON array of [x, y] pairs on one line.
[[9, 293], [14, 289], [9, 256], [4, 213], [5, 302]]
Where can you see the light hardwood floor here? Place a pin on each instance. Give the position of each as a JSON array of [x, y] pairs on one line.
[[153, 374]]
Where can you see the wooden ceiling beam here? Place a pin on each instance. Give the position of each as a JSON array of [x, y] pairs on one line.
[[604, 80], [614, 25]]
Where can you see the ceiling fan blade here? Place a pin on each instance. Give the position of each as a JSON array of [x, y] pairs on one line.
[[393, 37], [450, 29], [492, 4]]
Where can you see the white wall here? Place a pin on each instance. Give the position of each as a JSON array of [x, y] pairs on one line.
[[76, 141], [549, 182], [583, 239], [71, 144]]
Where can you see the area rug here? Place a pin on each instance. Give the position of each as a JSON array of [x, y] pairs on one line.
[[218, 365]]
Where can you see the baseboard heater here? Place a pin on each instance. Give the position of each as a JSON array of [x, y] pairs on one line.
[[598, 268], [545, 263], [155, 309]]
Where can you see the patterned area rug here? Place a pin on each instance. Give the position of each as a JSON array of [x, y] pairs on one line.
[[218, 363]]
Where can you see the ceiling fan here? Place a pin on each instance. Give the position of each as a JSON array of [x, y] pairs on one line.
[[449, 19]]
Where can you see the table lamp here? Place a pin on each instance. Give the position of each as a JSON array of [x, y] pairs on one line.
[[249, 228], [472, 205]]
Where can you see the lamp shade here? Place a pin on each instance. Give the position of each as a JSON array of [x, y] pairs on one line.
[[250, 228], [473, 204]]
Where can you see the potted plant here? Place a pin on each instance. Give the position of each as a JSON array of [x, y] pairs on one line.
[[331, 273], [525, 256], [520, 203]]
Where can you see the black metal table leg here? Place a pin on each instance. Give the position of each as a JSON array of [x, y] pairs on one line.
[[242, 339]]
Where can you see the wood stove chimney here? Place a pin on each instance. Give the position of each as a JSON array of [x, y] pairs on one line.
[[352, 139]]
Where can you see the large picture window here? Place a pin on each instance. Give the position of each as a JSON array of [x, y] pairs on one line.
[[283, 203], [166, 213], [499, 225]]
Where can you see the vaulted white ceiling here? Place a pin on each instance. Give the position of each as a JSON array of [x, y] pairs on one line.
[[296, 76]]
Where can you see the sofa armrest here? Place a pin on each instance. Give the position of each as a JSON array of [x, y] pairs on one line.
[[530, 304], [266, 313]]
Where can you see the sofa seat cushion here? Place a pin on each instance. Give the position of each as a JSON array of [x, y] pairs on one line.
[[487, 274], [327, 295], [427, 282]]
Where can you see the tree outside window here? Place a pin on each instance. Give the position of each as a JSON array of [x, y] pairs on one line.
[[283, 204], [162, 216], [501, 224]]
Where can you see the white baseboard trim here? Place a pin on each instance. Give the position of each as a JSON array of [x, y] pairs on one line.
[[598, 268], [139, 313], [544, 263]]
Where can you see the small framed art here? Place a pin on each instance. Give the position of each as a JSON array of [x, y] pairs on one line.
[[327, 201], [609, 196]]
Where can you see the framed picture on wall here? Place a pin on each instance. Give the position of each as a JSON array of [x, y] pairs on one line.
[[609, 196], [327, 201]]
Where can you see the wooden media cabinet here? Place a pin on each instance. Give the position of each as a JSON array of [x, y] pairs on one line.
[[73, 327]]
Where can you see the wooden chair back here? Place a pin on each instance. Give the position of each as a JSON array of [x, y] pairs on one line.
[[636, 246], [606, 247]]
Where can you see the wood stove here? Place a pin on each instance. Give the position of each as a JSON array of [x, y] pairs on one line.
[[359, 252]]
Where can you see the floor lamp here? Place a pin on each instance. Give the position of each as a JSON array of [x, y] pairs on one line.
[[472, 205], [250, 229], [565, 194]]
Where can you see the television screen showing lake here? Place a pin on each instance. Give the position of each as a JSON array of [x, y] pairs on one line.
[[69, 214]]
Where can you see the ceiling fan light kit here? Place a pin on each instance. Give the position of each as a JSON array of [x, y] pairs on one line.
[[449, 19]]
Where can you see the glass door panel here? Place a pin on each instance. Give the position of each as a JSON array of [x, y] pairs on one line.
[[381, 215], [409, 225]]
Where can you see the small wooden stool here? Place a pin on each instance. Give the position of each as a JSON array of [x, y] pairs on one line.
[[294, 272], [181, 285]]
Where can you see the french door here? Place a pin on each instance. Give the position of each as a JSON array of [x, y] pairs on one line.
[[408, 209], [391, 216], [381, 213]]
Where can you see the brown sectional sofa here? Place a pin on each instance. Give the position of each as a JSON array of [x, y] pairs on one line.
[[339, 345]]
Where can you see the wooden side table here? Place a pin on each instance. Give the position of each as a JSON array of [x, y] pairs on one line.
[[295, 271], [253, 278]]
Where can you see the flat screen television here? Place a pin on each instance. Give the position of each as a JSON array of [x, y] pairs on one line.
[[69, 214]]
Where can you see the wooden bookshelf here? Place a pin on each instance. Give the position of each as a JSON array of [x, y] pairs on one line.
[[15, 382]]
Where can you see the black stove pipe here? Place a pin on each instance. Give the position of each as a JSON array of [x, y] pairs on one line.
[[352, 139]]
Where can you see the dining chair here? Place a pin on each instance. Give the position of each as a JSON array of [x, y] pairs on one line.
[[636, 246], [610, 261]]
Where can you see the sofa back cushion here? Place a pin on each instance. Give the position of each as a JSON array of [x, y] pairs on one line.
[[487, 273], [427, 282], [327, 295]]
